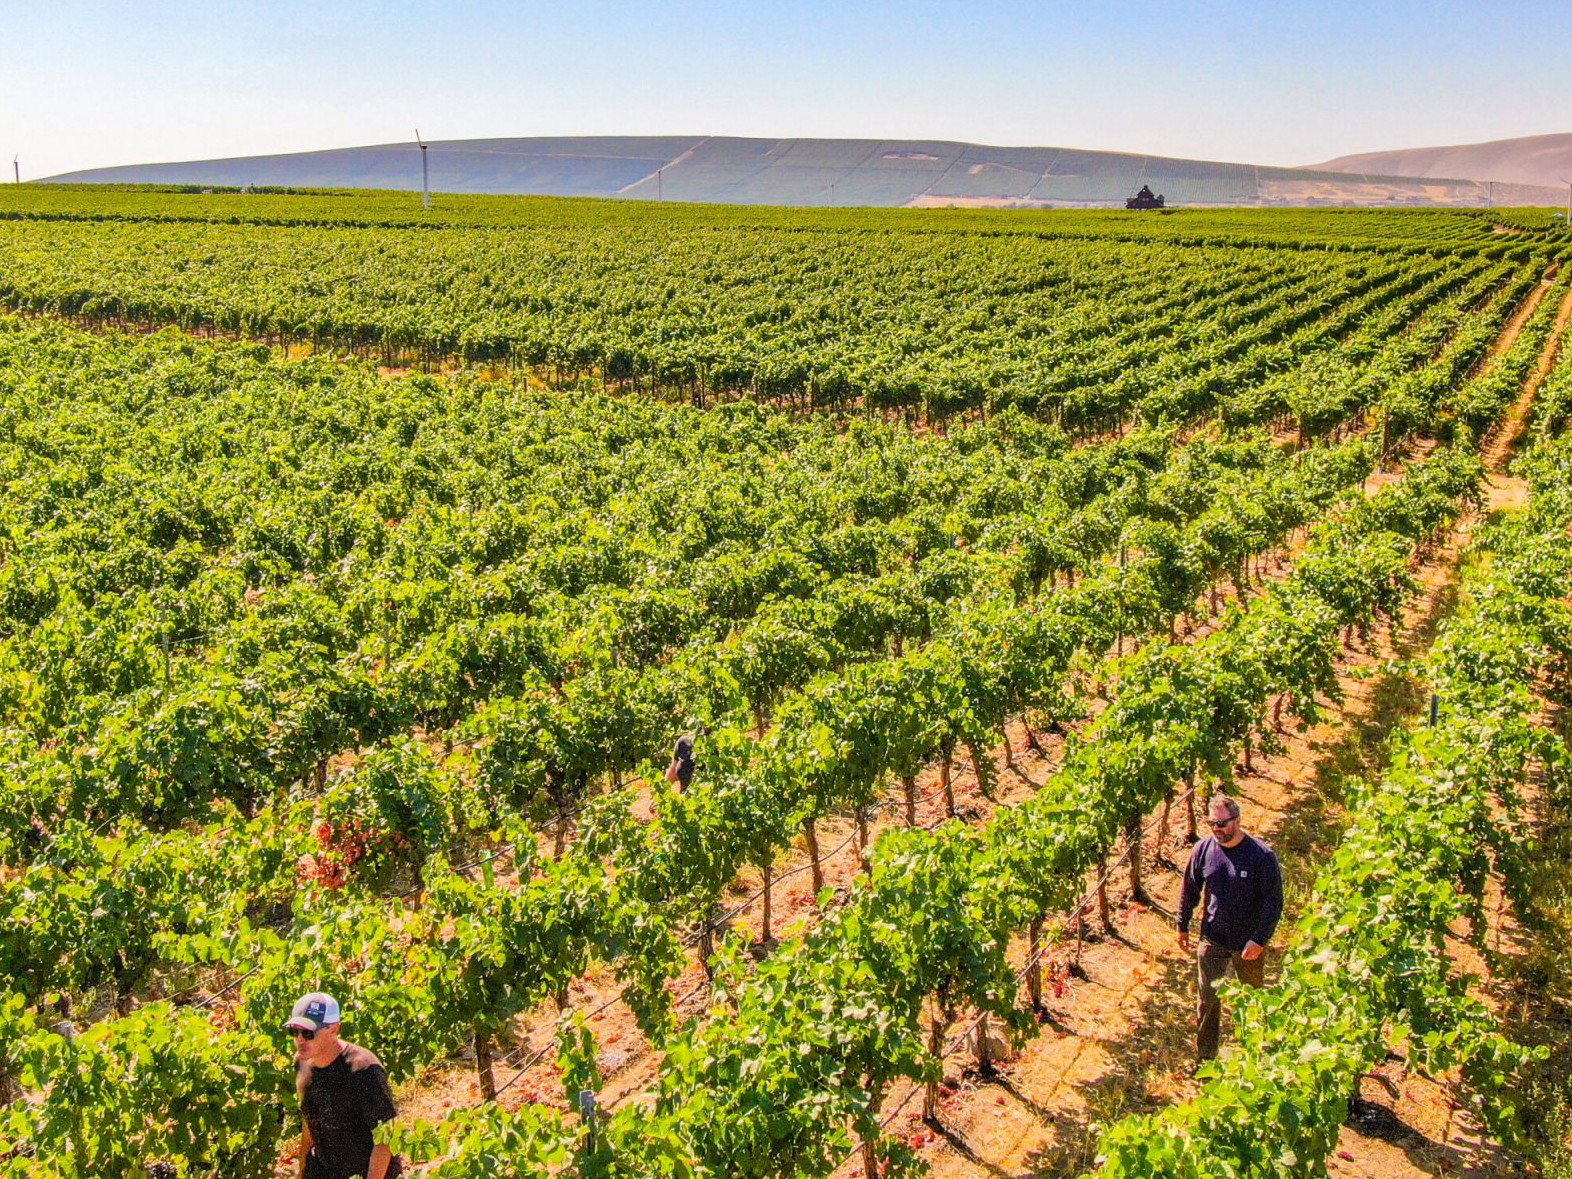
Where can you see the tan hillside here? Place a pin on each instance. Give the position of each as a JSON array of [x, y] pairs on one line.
[[1534, 159]]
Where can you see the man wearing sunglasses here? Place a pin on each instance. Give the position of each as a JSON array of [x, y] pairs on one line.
[[344, 1096], [1244, 899]]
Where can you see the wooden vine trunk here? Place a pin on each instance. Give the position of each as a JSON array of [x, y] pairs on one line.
[[1102, 892], [909, 785], [1031, 739], [764, 924], [488, 1079], [561, 842], [930, 1093], [977, 764], [870, 1146], [1132, 834], [811, 835], [944, 783], [1034, 975]]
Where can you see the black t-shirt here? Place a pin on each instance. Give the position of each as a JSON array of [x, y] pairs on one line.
[[683, 756], [343, 1102], [1244, 892]]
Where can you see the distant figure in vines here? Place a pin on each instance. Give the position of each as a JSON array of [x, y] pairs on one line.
[[1244, 899], [680, 770], [344, 1096]]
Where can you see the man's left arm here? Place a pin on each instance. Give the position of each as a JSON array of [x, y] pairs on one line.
[[1271, 901], [381, 1158], [377, 1104]]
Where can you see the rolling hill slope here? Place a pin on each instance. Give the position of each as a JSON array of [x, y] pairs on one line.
[[876, 172], [1535, 159]]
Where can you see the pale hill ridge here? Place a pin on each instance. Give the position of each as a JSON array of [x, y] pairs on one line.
[[1533, 159], [734, 170]]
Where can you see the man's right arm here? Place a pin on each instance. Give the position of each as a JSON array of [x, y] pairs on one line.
[[1190, 894]]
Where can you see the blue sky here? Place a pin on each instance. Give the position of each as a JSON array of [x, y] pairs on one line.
[[85, 84]]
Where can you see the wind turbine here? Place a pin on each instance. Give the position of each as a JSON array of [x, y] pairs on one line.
[[425, 176]]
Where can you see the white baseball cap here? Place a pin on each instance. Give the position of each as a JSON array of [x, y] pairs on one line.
[[313, 1012]]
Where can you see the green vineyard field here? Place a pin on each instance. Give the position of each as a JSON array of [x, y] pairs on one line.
[[359, 567]]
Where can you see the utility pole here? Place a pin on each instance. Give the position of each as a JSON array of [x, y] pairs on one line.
[[660, 184], [16, 169], [425, 176]]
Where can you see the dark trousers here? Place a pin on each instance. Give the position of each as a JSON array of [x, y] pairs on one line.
[[1212, 962]]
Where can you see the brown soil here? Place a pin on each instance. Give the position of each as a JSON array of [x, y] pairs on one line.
[[1529, 305], [1406, 1125], [1118, 1039], [629, 1063]]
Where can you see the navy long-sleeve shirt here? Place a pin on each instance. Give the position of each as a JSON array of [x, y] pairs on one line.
[[1244, 892]]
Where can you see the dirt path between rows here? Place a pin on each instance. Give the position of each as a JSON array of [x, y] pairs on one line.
[[1135, 984], [1119, 1039], [629, 1064], [1405, 1125], [1526, 308]]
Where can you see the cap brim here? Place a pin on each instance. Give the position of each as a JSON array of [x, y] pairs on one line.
[[304, 1025]]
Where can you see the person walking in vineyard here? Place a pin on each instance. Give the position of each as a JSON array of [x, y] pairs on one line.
[[344, 1096], [680, 770], [1244, 899]]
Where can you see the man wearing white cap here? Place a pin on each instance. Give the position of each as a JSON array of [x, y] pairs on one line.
[[344, 1096]]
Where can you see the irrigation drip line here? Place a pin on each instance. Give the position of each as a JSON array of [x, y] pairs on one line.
[[1086, 899], [873, 809], [514, 1079], [687, 943], [619, 997], [784, 876], [611, 1002], [960, 1037], [233, 983], [1091, 894]]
